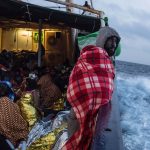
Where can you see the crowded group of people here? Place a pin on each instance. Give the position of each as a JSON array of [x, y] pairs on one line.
[[28, 93], [89, 87]]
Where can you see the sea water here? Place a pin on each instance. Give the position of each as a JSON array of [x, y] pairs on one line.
[[133, 90]]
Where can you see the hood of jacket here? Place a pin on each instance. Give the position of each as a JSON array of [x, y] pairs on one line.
[[104, 34]]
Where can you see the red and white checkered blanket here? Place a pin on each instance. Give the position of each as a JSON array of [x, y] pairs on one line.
[[90, 87]]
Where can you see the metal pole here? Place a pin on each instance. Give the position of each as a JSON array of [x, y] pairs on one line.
[[77, 6], [91, 3], [72, 36], [68, 8], [39, 43]]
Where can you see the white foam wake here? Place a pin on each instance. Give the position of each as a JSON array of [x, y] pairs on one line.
[[134, 99]]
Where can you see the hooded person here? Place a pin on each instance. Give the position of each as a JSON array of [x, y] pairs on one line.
[[108, 39], [90, 87]]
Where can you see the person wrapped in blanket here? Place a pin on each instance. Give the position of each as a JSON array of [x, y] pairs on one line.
[[29, 101], [12, 125], [50, 94], [90, 87]]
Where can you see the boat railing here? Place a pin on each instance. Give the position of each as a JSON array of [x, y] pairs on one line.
[[108, 134]]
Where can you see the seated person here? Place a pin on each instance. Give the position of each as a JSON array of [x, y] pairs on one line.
[[32, 87], [49, 92], [29, 102], [12, 125]]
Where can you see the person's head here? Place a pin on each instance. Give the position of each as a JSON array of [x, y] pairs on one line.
[[108, 39], [86, 2], [5, 90], [18, 79], [31, 84]]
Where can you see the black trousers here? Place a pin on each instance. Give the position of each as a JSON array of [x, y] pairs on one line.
[[3, 144]]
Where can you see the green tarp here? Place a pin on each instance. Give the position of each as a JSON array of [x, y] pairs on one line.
[[90, 39]]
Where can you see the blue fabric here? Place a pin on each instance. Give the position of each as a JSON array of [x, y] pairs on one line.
[[11, 93]]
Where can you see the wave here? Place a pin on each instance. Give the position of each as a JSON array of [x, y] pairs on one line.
[[134, 100]]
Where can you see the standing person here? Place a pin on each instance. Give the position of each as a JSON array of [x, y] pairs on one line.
[[90, 87], [86, 5]]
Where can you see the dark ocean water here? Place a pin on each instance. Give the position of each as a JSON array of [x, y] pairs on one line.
[[133, 68], [133, 91]]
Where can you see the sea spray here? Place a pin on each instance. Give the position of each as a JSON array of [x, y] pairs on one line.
[[134, 99]]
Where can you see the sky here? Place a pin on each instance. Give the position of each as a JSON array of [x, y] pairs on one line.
[[132, 21]]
